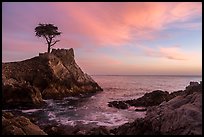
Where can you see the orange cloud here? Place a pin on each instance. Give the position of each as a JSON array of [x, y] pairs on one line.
[[174, 52], [99, 63]]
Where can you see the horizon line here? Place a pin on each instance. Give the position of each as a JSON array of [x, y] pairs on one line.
[[145, 75]]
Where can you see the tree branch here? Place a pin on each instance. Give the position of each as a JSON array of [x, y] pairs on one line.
[[54, 43]]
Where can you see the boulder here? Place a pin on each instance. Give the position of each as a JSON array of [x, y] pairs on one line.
[[20, 125], [21, 94], [193, 87], [52, 75]]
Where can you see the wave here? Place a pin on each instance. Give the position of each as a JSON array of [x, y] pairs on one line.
[[30, 110]]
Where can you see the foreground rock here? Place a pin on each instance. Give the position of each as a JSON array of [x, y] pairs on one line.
[[20, 125], [181, 115], [47, 76], [76, 130]]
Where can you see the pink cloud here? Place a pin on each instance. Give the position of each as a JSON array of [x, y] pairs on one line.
[[104, 24], [120, 23], [16, 45], [95, 23], [89, 26]]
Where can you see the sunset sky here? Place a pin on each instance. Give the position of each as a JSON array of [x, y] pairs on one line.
[[121, 38]]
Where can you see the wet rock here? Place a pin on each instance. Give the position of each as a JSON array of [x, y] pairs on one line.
[[98, 131], [53, 130], [193, 87], [58, 129], [192, 83], [118, 104], [140, 109], [138, 127], [52, 75], [21, 95], [20, 125], [149, 99]]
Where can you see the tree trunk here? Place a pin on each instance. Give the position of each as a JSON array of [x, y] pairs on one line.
[[48, 50]]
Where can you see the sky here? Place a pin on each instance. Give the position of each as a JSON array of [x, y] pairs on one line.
[[119, 38]]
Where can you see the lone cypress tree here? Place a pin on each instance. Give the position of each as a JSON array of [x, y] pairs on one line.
[[49, 32]]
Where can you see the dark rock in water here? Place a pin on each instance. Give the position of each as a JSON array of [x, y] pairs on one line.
[[141, 109], [194, 87], [149, 99], [181, 115], [20, 125], [192, 83], [155, 98], [52, 75], [118, 104]]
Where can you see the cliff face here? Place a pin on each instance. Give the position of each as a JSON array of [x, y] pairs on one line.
[[47, 76]]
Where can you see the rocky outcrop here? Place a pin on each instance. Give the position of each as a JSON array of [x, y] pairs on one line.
[[48, 76], [182, 115], [155, 98], [148, 99], [12, 125]]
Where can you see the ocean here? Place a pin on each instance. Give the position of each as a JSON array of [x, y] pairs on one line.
[[93, 111]]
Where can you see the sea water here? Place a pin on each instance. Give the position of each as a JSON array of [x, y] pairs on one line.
[[94, 111]]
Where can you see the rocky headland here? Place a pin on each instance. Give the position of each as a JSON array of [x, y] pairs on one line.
[[52, 75], [25, 84]]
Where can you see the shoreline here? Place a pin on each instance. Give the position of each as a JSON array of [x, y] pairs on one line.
[[81, 129]]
